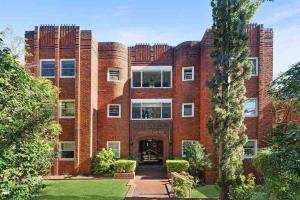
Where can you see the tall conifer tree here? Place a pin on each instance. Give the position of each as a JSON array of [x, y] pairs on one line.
[[230, 21]]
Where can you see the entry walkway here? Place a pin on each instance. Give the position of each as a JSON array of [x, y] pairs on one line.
[[150, 183]]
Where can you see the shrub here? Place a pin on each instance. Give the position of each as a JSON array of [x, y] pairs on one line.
[[124, 166], [182, 184], [104, 162], [177, 165], [244, 189]]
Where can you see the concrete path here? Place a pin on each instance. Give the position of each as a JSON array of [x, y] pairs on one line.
[[150, 183]]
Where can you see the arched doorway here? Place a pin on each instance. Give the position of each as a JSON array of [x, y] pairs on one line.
[[151, 151]]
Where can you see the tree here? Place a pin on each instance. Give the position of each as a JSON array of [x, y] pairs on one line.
[[230, 20], [27, 128]]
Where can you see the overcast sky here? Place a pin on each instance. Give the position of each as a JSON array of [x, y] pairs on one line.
[[152, 21]]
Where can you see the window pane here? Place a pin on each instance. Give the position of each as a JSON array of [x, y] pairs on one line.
[[166, 79], [136, 111], [114, 74], [68, 108], [188, 74], [136, 79], [151, 110], [67, 154], [250, 107], [67, 150], [47, 68], [151, 79], [67, 68], [254, 67], [166, 110], [114, 110], [115, 148], [187, 110]]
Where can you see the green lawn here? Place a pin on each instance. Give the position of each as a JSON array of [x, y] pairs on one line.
[[84, 189], [205, 191]]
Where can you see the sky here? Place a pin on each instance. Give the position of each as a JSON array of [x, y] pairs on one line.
[[153, 21]]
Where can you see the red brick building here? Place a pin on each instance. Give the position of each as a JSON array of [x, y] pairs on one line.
[[143, 101]]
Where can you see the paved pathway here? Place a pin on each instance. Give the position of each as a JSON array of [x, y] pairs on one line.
[[150, 183]]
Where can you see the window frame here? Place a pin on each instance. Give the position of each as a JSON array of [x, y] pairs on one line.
[[116, 142], [60, 108], [256, 106], [60, 150], [141, 101], [182, 110], [193, 73], [160, 69], [182, 141], [60, 67], [255, 149], [116, 69], [119, 105], [41, 60], [256, 62]]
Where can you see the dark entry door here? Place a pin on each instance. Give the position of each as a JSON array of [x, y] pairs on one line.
[[151, 150]]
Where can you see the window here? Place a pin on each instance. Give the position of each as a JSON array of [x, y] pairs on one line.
[[250, 149], [67, 68], [113, 74], [187, 73], [251, 107], [184, 145], [67, 108], [114, 110], [47, 68], [151, 77], [188, 110], [66, 150], [254, 63], [115, 146], [151, 109]]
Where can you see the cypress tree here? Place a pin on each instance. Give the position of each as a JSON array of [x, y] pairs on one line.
[[230, 21]]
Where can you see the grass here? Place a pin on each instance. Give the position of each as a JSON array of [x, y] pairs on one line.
[[207, 191], [84, 189]]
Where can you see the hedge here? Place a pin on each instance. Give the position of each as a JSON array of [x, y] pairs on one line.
[[177, 165], [124, 166]]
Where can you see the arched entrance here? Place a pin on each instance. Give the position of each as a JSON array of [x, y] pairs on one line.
[[151, 151]]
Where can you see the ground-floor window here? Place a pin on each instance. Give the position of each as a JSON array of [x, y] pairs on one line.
[[250, 149], [184, 145], [115, 146], [66, 150]]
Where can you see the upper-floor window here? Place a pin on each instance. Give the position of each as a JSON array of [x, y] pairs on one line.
[[250, 149], [188, 73], [152, 77], [147, 109], [66, 150], [254, 63], [251, 107], [113, 74], [47, 68], [188, 110], [67, 68], [114, 110], [67, 108], [115, 146]]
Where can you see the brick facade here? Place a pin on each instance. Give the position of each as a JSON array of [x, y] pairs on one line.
[[91, 128]]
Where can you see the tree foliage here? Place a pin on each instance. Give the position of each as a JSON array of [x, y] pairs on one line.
[[230, 20], [27, 128]]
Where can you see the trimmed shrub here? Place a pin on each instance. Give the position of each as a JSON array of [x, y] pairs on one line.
[[177, 165], [124, 166], [104, 162]]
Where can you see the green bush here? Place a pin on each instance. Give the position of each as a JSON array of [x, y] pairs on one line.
[[104, 162], [244, 189], [182, 184], [177, 165], [124, 166]]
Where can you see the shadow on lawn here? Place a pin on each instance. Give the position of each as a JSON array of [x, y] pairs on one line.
[[70, 197]]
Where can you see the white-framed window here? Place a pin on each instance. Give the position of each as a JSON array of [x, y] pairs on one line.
[[67, 68], [151, 76], [113, 74], [250, 149], [151, 109], [66, 150], [187, 110], [188, 73], [254, 63], [184, 143], [114, 110], [67, 108], [251, 107], [116, 147], [47, 68]]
